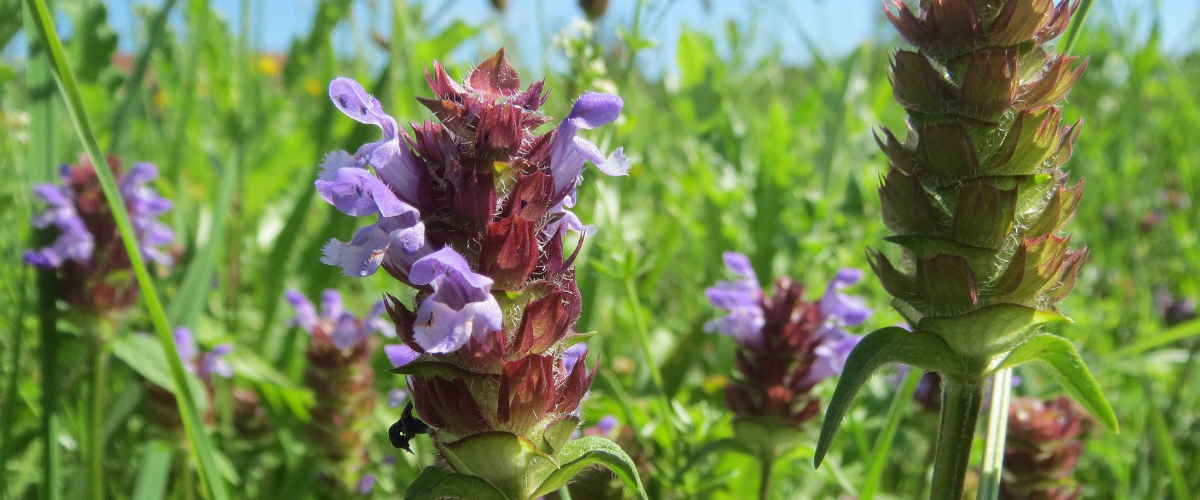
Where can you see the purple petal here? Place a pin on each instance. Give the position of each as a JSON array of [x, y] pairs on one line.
[[214, 361], [354, 191], [365, 484], [331, 304], [306, 314], [185, 345], [841, 309], [140, 173], [569, 152], [399, 354], [739, 264], [363, 254], [347, 332], [351, 99], [607, 424], [54, 195], [572, 355], [376, 321], [460, 307], [396, 166], [831, 357]]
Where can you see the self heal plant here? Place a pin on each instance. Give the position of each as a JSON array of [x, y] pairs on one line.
[[95, 273], [785, 347], [1044, 446], [978, 201], [162, 411], [339, 374], [471, 211]]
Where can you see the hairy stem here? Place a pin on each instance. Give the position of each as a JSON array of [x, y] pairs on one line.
[[960, 412], [997, 431]]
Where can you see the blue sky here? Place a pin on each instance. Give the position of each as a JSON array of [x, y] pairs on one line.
[[840, 25]]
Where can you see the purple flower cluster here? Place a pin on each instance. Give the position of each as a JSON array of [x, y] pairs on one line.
[[743, 298], [76, 239], [403, 194], [334, 324]]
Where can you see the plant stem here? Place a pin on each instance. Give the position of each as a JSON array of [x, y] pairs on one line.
[[883, 443], [764, 485], [960, 411], [643, 334], [997, 430], [95, 422]]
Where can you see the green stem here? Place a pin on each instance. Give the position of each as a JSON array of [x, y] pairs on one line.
[[643, 335], [95, 422], [883, 443], [960, 411], [997, 430], [764, 485], [564, 493]]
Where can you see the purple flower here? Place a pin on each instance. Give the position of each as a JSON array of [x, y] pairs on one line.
[[334, 324], [354, 191], [572, 355], [841, 310], [145, 205], [607, 424], [831, 357], [461, 306], [74, 242], [206, 364], [570, 152], [743, 300], [399, 354], [366, 484]]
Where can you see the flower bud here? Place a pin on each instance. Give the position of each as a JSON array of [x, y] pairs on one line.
[[1043, 449]]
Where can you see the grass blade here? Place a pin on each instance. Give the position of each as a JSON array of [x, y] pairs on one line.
[[201, 447], [154, 473], [1164, 446], [883, 443], [41, 169], [1077, 25]]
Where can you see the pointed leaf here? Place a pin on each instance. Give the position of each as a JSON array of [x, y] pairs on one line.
[[436, 484], [886, 345], [593, 450], [1068, 368]]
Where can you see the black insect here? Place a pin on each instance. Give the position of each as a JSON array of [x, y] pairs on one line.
[[401, 432]]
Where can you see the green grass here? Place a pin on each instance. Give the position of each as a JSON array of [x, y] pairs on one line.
[[735, 152]]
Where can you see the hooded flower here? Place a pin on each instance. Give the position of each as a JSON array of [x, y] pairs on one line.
[[786, 345], [334, 324], [472, 210], [88, 250]]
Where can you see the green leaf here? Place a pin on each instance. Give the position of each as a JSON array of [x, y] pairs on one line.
[[593, 450], [155, 472], [437, 484], [430, 367], [142, 354], [1068, 368], [93, 43], [201, 447], [1163, 443], [992, 330], [887, 345], [721, 445]]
